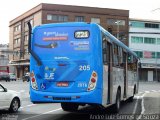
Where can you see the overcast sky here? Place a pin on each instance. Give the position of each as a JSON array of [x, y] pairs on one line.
[[10, 9]]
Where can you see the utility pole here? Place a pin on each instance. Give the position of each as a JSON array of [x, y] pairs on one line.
[[117, 23]]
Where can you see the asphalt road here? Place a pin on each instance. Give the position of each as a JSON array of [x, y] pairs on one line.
[[146, 105]]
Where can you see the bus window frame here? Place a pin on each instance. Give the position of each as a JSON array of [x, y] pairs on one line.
[[115, 63]]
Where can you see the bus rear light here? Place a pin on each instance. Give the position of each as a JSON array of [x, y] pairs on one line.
[[33, 79], [32, 74], [94, 74], [33, 82], [93, 81]]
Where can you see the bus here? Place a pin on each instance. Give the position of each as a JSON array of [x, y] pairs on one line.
[[80, 64]]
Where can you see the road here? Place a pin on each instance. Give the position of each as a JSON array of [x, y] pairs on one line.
[[146, 105]]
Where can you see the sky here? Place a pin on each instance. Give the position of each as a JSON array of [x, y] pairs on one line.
[[142, 9]]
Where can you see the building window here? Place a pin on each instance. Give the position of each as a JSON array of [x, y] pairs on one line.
[[158, 41], [95, 20], [151, 25], [153, 54], [55, 17], [139, 54], [60, 18], [31, 21], [116, 22], [17, 41], [26, 52], [49, 17], [137, 24], [17, 28], [26, 38], [149, 40], [79, 18], [158, 54], [135, 39]]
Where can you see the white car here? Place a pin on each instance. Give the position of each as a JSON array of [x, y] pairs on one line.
[[9, 99]]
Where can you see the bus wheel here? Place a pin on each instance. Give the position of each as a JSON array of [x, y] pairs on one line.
[[131, 98], [69, 106], [116, 106]]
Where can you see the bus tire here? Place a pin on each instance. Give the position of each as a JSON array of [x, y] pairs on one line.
[[131, 98], [69, 106], [116, 106]]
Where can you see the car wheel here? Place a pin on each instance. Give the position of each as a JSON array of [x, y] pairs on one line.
[[14, 105]]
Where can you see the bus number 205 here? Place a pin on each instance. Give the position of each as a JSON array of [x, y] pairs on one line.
[[84, 67]]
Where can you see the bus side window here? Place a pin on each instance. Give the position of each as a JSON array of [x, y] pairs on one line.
[[115, 55], [130, 62], [135, 64], [105, 51], [120, 56]]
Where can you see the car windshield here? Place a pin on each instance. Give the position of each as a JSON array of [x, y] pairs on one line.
[[11, 74]]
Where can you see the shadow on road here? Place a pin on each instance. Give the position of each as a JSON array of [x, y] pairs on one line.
[[84, 113]]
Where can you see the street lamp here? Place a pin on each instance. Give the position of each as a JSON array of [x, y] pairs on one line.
[[117, 23]]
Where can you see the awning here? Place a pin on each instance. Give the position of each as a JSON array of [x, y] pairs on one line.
[[21, 64]]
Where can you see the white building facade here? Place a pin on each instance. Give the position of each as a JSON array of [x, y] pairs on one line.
[[144, 39], [4, 59]]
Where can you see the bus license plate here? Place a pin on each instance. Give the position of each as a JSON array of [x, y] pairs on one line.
[[62, 84]]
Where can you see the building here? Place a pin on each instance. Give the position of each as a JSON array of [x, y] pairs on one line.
[[4, 57], [116, 21], [144, 39]]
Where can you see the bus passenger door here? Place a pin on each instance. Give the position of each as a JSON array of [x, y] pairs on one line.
[[125, 73], [110, 76], [106, 72]]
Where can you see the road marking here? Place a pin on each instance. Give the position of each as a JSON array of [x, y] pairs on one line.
[[147, 91], [135, 107], [28, 106], [142, 104], [154, 91], [42, 114], [140, 92]]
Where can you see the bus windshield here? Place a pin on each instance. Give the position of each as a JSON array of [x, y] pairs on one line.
[[60, 41]]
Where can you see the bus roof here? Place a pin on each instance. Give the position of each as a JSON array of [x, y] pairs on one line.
[[112, 38], [118, 42]]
